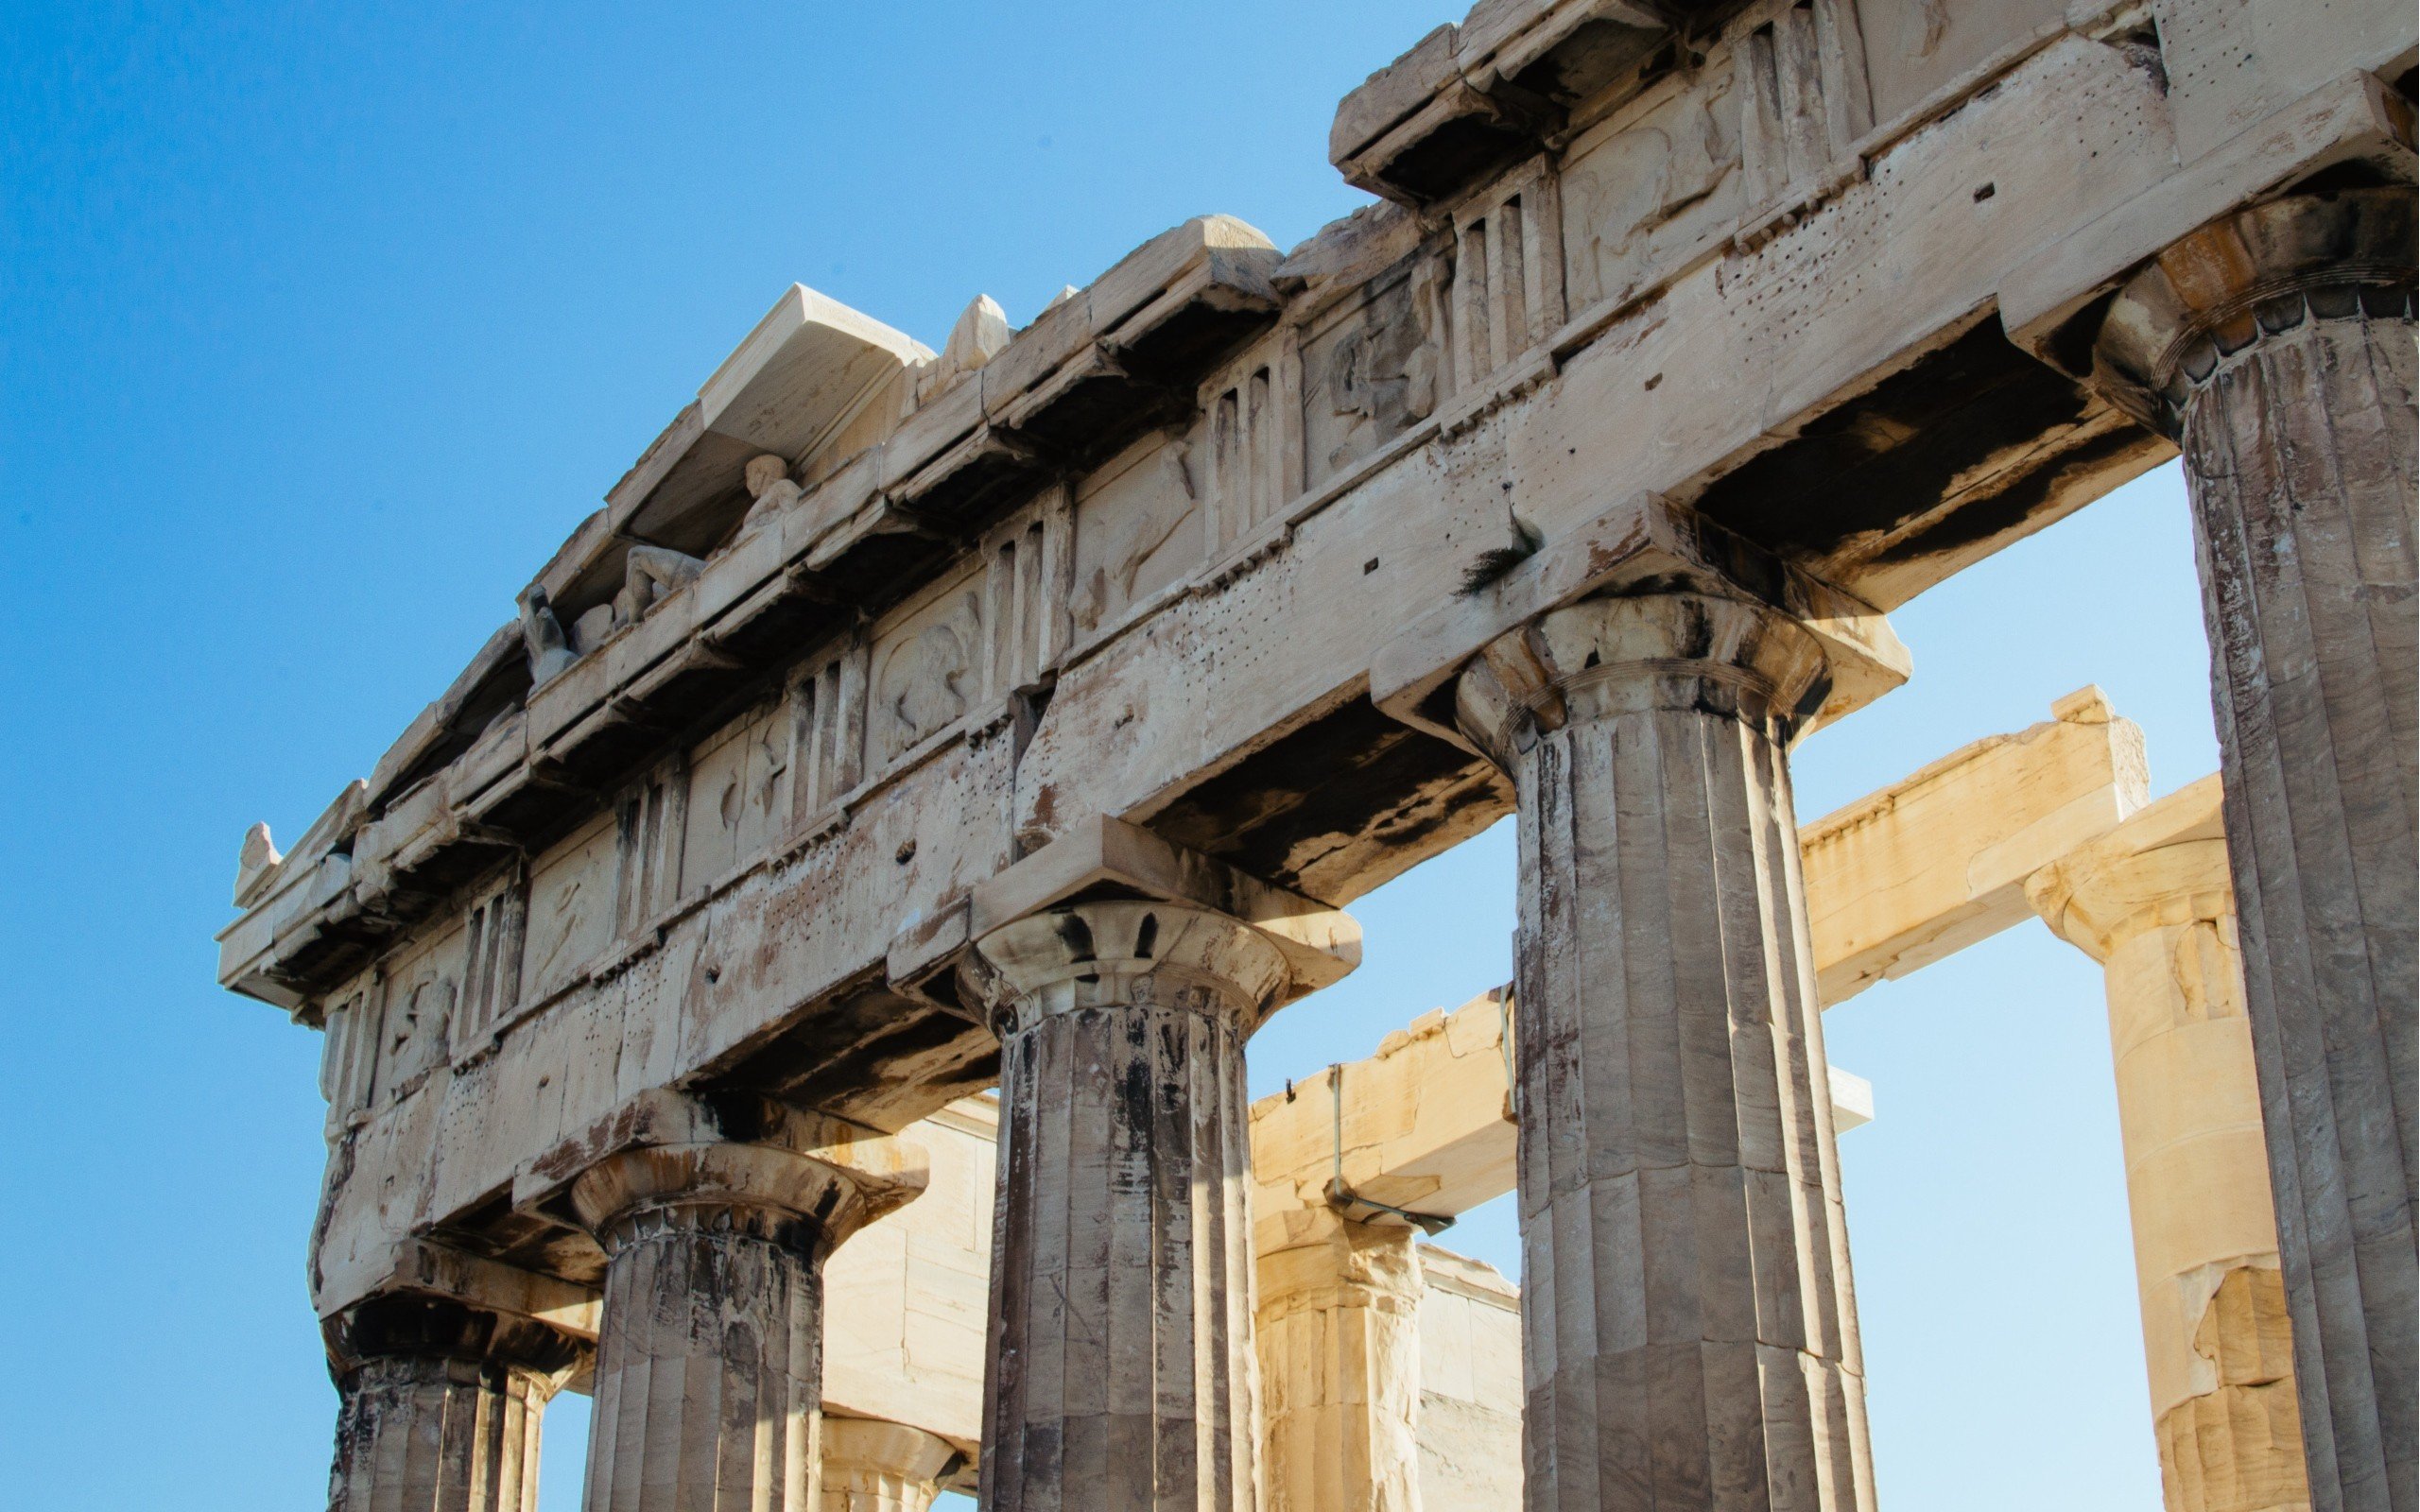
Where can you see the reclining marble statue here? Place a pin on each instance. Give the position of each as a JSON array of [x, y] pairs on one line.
[[1026, 715]]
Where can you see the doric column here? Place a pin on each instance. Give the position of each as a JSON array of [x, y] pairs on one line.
[[709, 1371], [1339, 1362], [2154, 902], [2277, 348], [1122, 1372], [1691, 1337], [870, 1466], [439, 1405]]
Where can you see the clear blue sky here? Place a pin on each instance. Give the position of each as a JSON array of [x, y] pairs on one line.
[[320, 327]]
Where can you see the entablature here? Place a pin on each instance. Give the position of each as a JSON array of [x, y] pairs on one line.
[[1139, 559]]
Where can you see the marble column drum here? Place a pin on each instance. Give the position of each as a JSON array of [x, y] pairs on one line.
[[1690, 1335], [870, 1466], [1339, 1362], [441, 1406], [2277, 348], [709, 1372], [2152, 902], [1122, 1372]]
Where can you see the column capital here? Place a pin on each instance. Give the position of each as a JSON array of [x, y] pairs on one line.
[[2165, 866], [1546, 612], [732, 1162], [2263, 270], [808, 1200], [1309, 1257], [425, 1327], [1132, 954], [1609, 656], [1112, 914]]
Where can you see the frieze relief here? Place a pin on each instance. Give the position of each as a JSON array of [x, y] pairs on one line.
[[1769, 118], [570, 908], [1915, 47], [1379, 368], [1644, 192], [927, 670], [738, 796], [1138, 529], [417, 993]]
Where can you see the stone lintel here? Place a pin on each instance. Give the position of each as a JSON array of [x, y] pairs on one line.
[[885, 1169], [1105, 857], [1937, 861], [1425, 1126], [2356, 119], [1644, 543]]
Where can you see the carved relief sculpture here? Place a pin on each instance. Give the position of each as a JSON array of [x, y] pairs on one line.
[[924, 683], [1138, 535]]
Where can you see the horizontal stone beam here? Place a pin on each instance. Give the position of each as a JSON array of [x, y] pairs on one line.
[[1938, 860]]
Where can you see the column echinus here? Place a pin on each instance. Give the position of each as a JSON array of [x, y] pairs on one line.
[[1691, 1332], [715, 1217], [2277, 348], [1123, 976], [2152, 901], [440, 1401], [870, 1466]]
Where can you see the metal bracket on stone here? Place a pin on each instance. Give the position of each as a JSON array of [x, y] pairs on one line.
[[1645, 544], [1340, 1195]]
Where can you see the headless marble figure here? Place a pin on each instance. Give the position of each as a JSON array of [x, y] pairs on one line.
[[649, 574], [543, 636]]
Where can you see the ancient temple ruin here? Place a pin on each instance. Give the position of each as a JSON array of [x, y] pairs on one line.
[[1027, 715]]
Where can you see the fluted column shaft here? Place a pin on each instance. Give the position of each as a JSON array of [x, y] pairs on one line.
[[2277, 347], [1122, 1371], [709, 1371], [1689, 1327], [2154, 902], [1339, 1362], [441, 1408], [870, 1466]]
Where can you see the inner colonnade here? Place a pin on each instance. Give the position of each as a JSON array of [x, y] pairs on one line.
[[1024, 714]]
